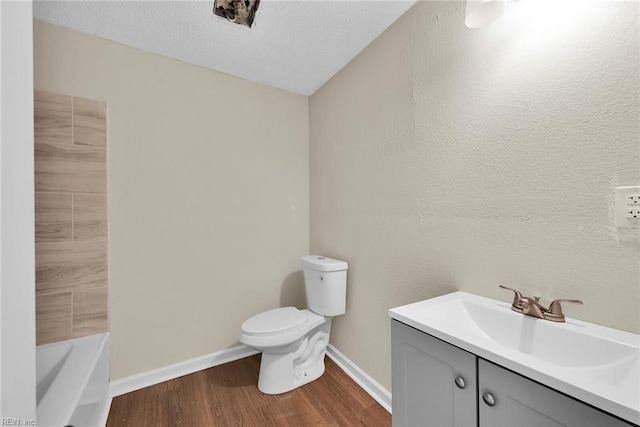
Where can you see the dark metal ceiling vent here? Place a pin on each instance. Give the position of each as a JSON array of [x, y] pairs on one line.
[[239, 11]]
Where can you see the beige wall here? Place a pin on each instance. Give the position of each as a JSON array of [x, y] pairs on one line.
[[208, 195], [444, 158]]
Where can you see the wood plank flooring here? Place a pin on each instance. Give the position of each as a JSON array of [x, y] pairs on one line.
[[227, 395]]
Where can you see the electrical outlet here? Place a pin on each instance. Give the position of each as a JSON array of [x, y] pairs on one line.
[[633, 213], [627, 207], [633, 199]]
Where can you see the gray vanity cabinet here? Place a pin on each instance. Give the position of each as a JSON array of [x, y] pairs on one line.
[[508, 399], [434, 383], [437, 384]]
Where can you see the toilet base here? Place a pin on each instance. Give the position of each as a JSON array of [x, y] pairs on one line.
[[285, 371], [276, 374]]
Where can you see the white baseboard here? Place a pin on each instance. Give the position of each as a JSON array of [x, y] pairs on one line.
[[368, 384], [166, 373]]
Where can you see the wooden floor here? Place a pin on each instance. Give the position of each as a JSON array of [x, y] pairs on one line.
[[227, 396]]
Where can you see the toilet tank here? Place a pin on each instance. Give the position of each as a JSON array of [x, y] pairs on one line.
[[325, 281]]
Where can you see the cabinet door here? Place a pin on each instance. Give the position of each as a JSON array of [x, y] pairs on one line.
[[519, 401], [424, 374]]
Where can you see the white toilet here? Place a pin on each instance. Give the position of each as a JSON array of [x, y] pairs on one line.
[[293, 342]]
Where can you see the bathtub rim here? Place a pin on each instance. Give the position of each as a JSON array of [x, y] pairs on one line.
[[78, 369]]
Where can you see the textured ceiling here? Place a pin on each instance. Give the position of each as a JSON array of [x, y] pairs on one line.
[[293, 45]]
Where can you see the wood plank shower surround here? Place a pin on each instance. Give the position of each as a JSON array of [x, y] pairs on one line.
[[71, 217]]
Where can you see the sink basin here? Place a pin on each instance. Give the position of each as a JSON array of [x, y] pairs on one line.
[[598, 365], [564, 345]]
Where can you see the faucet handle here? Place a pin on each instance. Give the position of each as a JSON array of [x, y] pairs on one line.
[[517, 304], [555, 313]]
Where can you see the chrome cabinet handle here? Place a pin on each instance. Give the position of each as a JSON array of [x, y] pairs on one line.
[[489, 400], [460, 383]]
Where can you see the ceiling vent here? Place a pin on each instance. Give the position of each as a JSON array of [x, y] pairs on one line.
[[239, 11]]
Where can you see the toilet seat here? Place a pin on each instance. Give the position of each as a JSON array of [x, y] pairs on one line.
[[273, 322], [279, 327]]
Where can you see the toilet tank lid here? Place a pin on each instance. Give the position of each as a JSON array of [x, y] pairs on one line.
[[321, 263]]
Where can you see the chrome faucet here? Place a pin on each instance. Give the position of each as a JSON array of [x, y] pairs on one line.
[[531, 306]]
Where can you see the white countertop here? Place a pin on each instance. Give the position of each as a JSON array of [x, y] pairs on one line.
[[595, 364]]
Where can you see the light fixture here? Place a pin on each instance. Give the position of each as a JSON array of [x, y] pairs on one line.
[[482, 12]]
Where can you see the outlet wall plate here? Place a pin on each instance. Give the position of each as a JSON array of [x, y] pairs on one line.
[[627, 207]]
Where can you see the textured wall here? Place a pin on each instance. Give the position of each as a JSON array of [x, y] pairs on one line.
[[444, 158], [208, 195]]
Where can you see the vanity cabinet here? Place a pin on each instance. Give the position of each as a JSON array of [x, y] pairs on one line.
[[437, 384]]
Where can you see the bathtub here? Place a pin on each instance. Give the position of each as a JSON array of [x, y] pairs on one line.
[[73, 382]]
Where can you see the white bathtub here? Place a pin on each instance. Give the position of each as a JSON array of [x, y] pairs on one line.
[[73, 382]]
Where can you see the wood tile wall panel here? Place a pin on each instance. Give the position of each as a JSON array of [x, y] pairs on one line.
[[52, 118], [54, 317], [70, 169], [89, 217], [90, 312], [53, 217], [70, 266], [71, 217], [89, 122]]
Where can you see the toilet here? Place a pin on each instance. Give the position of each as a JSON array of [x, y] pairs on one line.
[[293, 342]]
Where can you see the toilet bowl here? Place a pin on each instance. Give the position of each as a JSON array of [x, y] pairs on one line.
[[293, 342]]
